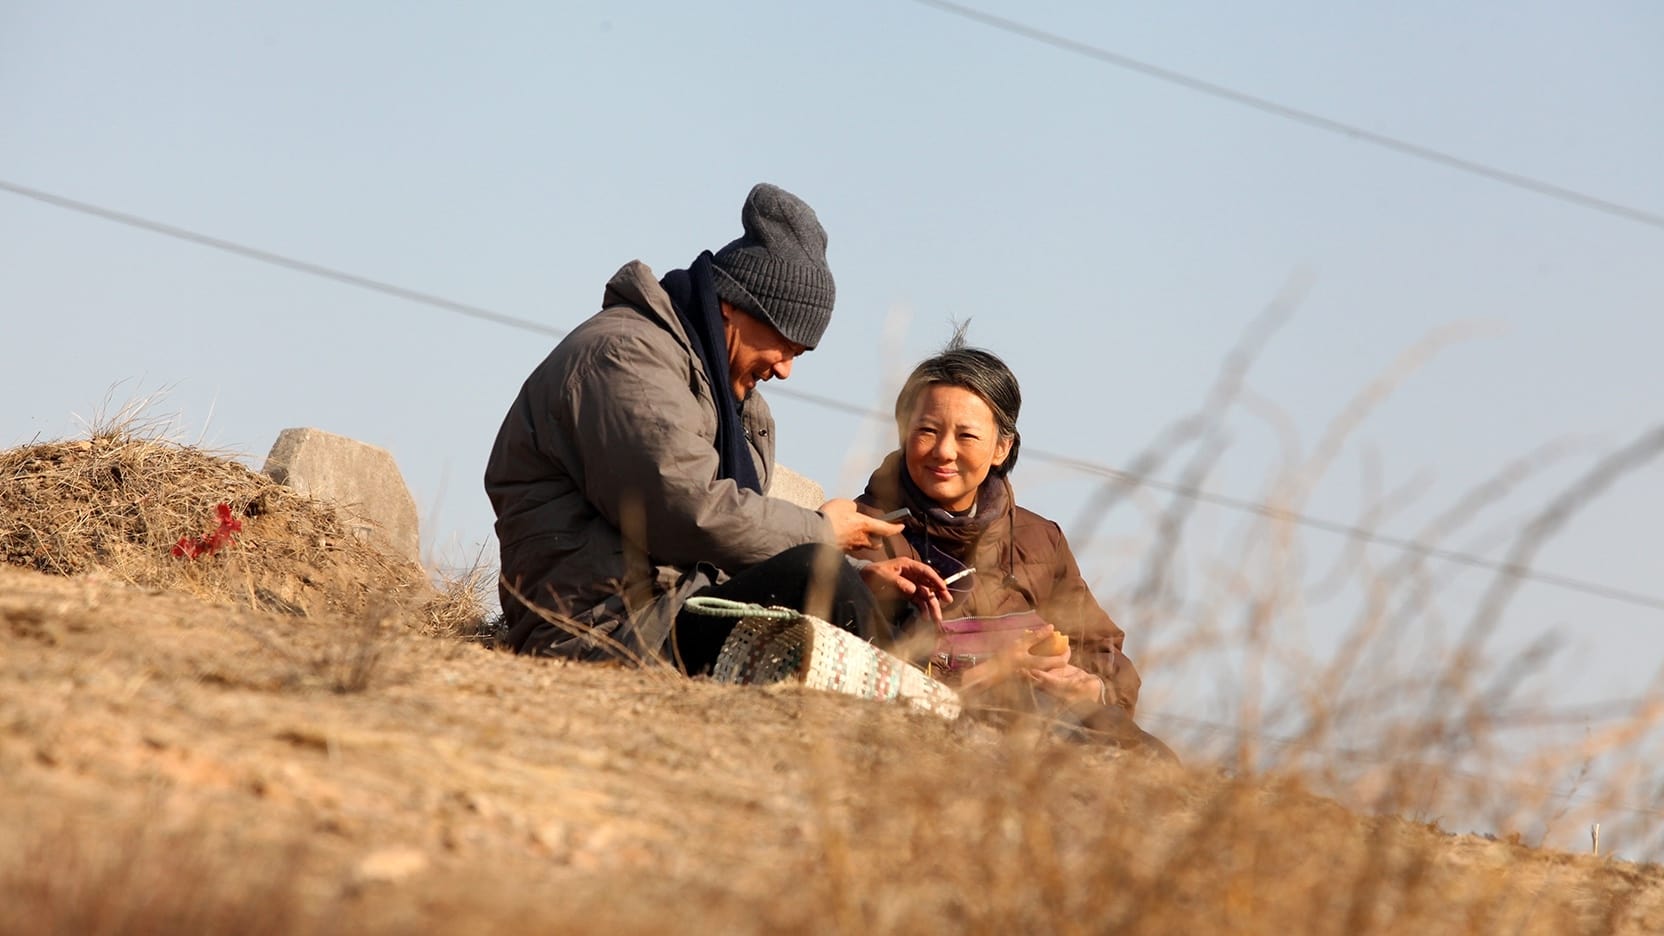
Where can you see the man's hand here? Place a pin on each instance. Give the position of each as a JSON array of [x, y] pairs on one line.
[[903, 577], [852, 529]]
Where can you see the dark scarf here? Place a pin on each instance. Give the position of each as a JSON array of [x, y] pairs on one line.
[[693, 294], [891, 486]]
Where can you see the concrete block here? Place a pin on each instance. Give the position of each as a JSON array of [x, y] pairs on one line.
[[360, 479], [794, 488]]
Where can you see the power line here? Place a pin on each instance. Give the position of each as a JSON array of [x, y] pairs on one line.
[[1351, 531], [1318, 121], [276, 259], [1069, 462]]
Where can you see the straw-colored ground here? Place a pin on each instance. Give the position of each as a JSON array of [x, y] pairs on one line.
[[207, 747]]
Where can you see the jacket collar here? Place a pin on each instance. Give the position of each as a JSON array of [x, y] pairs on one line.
[[886, 489], [635, 285]]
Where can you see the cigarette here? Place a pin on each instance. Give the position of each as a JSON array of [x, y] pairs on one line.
[[958, 575]]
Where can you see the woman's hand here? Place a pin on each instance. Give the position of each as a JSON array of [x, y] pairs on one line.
[[911, 579], [1018, 657], [1069, 683]]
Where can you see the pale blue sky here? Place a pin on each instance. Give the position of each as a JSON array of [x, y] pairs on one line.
[[1110, 235]]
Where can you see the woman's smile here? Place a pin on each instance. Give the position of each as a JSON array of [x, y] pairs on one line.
[[950, 444]]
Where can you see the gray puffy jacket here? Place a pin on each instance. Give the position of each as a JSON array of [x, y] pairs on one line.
[[603, 478]]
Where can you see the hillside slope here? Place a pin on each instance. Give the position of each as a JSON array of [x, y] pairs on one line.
[[176, 758]]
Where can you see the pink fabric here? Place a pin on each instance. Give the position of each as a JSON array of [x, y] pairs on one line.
[[965, 642]]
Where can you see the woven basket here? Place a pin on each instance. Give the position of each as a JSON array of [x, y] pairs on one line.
[[807, 650]]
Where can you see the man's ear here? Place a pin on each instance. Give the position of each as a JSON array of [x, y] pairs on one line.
[[727, 311]]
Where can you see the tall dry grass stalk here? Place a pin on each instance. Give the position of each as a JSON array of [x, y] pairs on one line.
[[1367, 713], [1371, 683]]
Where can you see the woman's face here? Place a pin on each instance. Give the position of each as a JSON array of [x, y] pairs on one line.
[[950, 442]]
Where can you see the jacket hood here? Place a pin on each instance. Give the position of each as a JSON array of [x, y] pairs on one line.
[[636, 286]]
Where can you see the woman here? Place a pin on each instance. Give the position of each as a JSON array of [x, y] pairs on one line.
[[957, 420]]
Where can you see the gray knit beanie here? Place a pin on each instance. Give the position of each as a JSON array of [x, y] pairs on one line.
[[777, 269]]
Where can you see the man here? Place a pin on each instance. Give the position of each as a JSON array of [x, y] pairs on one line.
[[631, 470]]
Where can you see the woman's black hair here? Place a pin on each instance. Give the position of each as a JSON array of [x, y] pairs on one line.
[[976, 370]]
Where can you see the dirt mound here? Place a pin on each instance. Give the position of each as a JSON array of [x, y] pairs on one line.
[[147, 511], [167, 766]]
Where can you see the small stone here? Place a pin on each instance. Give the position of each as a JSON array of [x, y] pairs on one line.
[[479, 804], [390, 865]]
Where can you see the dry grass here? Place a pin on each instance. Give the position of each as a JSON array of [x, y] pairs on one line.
[[1352, 671], [87, 878], [185, 777], [289, 737], [462, 604], [117, 503]]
